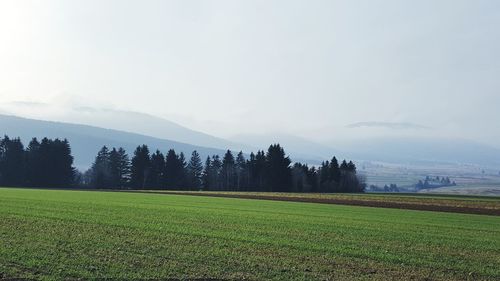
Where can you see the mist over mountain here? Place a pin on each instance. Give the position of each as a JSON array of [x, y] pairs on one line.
[[415, 150], [123, 120], [398, 150], [87, 140], [387, 125], [378, 141], [299, 148]]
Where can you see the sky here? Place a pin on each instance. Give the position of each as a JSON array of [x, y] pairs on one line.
[[317, 69]]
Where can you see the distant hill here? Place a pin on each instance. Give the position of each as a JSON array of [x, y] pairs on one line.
[[299, 149], [87, 140], [418, 150], [123, 120], [150, 125], [396, 150]]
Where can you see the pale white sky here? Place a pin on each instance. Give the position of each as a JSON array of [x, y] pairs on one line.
[[227, 67]]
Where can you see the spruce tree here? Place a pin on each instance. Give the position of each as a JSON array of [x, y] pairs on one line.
[[195, 171], [101, 170], [157, 170], [174, 170], [12, 162], [183, 178], [123, 168], [140, 167], [206, 174], [228, 171], [45, 156], [241, 171], [215, 175], [33, 163], [351, 167], [324, 176], [278, 171], [260, 170], [114, 168], [63, 163], [344, 166], [335, 170]]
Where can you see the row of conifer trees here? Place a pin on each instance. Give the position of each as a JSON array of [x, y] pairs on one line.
[[49, 163], [264, 171], [45, 163]]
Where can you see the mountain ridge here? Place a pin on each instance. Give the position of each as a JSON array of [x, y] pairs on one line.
[[118, 119], [86, 140]]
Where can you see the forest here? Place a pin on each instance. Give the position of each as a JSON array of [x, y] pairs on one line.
[[49, 163]]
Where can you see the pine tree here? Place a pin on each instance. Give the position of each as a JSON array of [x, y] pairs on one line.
[[228, 171], [335, 170], [344, 166], [351, 167], [324, 176], [114, 168], [12, 162], [312, 178], [278, 172], [123, 168], [251, 167], [45, 155], [216, 171], [174, 170], [195, 171], [44, 164], [349, 181], [157, 170], [206, 174], [140, 167], [62, 168], [119, 168], [101, 170], [241, 171], [260, 171], [33, 163], [183, 178], [299, 177]]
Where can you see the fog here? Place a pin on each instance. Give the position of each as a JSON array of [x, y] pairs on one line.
[[323, 70]]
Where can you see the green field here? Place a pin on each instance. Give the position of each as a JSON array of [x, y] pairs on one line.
[[489, 205], [48, 234]]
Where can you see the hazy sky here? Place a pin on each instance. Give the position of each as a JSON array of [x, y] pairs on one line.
[[226, 67]]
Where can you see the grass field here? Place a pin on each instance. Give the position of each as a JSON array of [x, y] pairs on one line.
[[48, 234], [486, 205]]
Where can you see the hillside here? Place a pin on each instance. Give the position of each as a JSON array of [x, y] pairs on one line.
[[123, 120], [421, 150], [87, 140]]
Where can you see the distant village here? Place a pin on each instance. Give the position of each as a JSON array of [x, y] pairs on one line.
[[427, 183]]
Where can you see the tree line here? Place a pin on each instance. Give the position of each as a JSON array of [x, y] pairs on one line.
[[48, 163], [45, 163], [264, 171], [431, 182]]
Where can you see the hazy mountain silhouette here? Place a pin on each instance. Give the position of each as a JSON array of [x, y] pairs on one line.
[[299, 149], [408, 150], [397, 150], [123, 120], [87, 140], [387, 125], [150, 125]]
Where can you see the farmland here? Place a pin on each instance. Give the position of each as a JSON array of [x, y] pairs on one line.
[[470, 179], [488, 205], [55, 234]]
